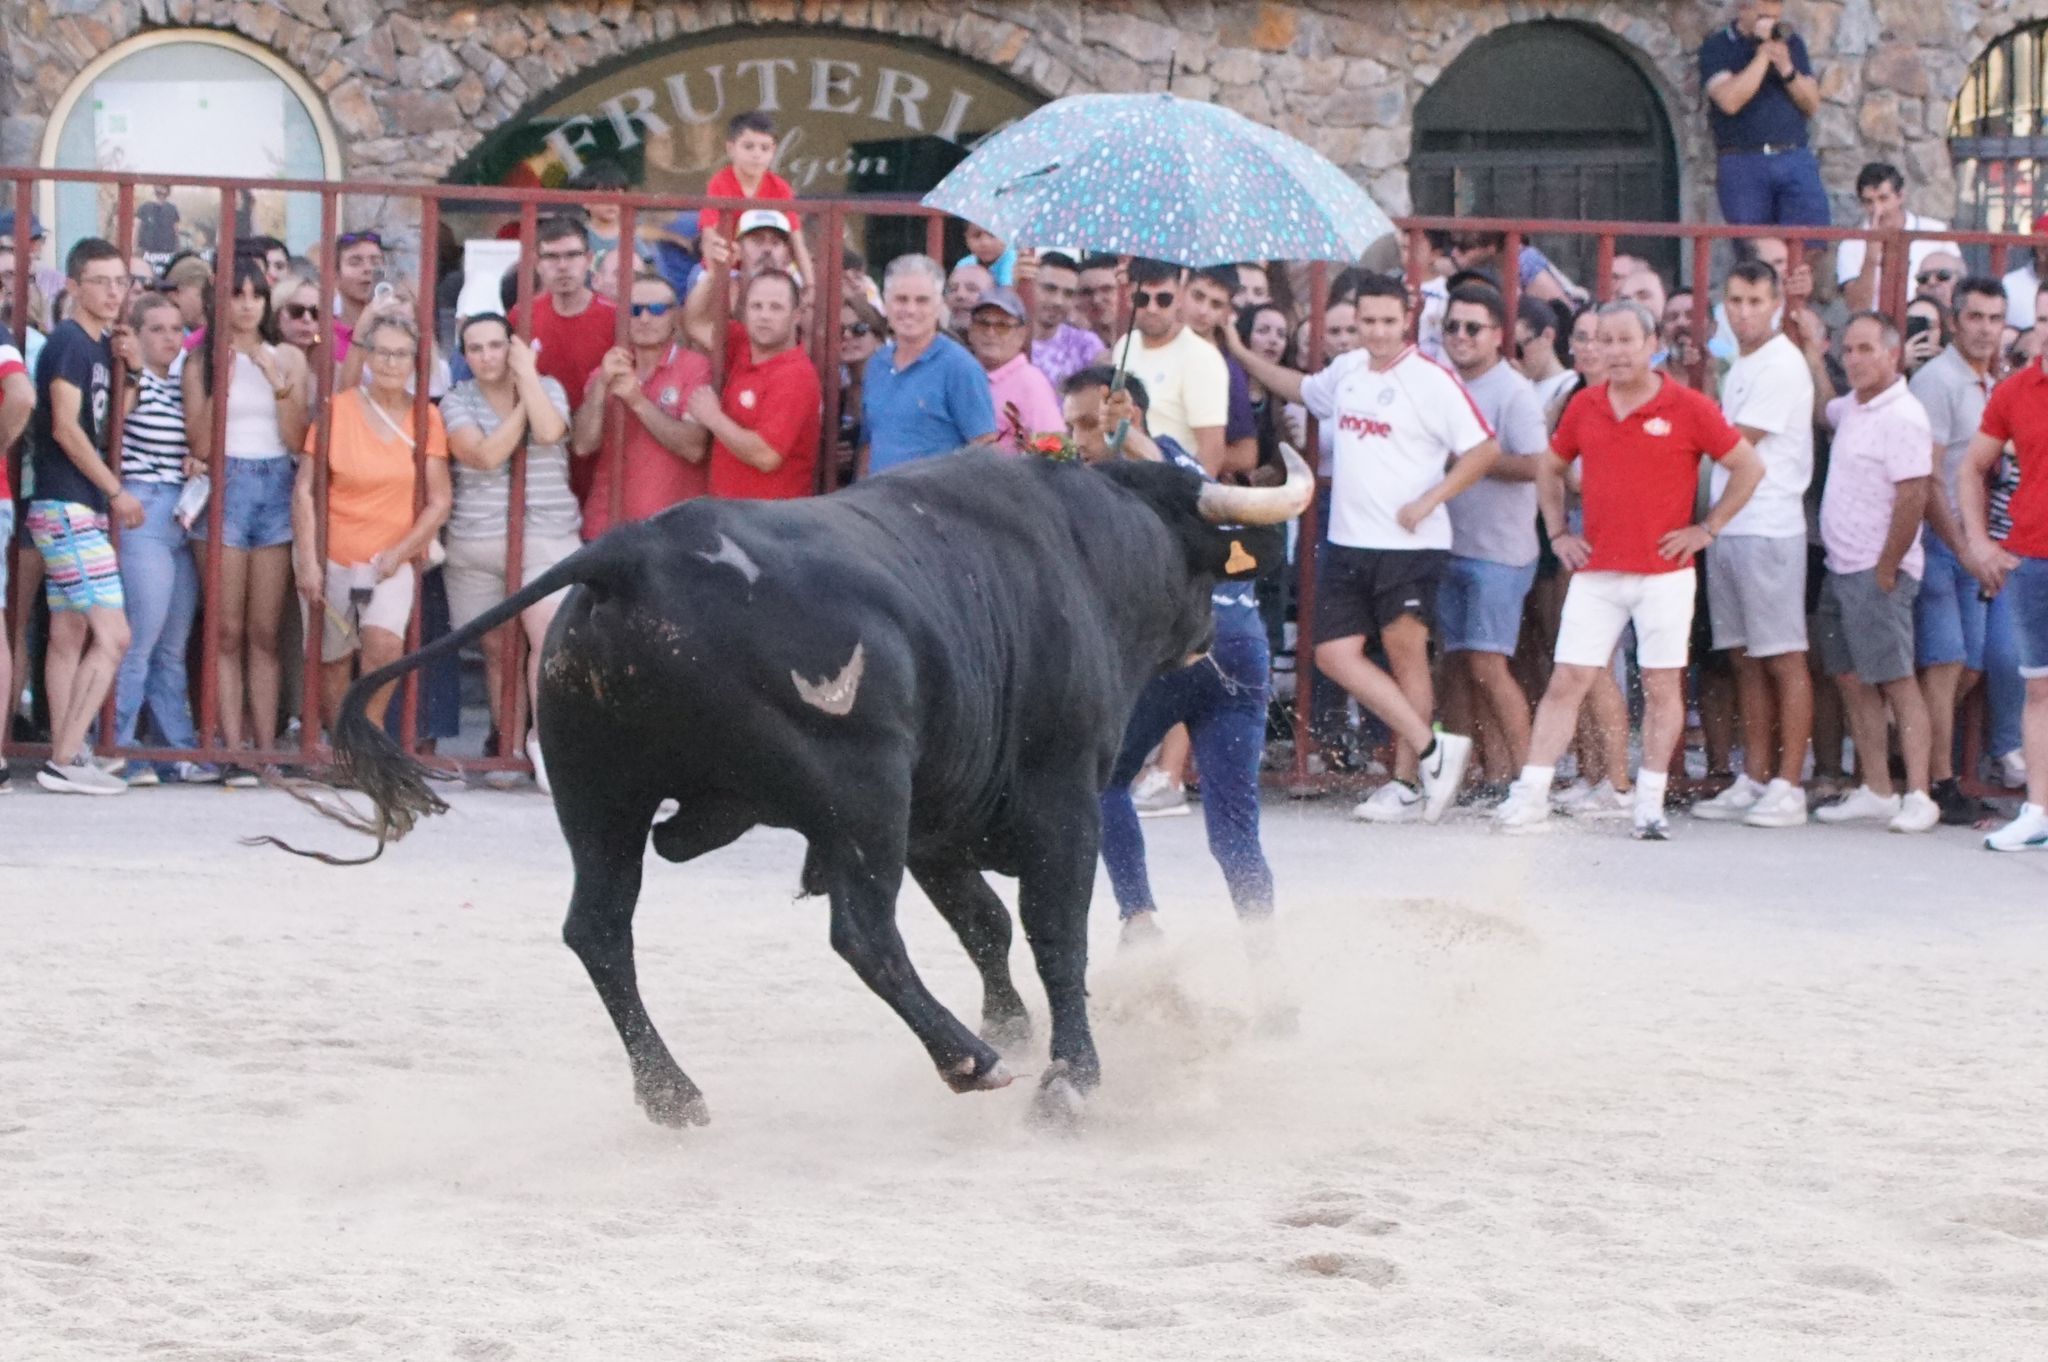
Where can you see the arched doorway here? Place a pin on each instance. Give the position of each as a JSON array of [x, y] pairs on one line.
[[1998, 134], [1547, 119], [856, 113]]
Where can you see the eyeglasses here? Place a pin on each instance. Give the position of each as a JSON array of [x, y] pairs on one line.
[[1001, 321], [854, 330], [560, 257], [298, 312], [1934, 276], [348, 239], [383, 356], [1163, 298], [1467, 328], [651, 309]]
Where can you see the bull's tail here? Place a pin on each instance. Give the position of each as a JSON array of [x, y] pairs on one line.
[[365, 757]]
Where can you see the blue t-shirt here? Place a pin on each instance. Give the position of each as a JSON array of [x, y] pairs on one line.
[[939, 403], [1004, 271], [1770, 116], [87, 365], [1236, 603]]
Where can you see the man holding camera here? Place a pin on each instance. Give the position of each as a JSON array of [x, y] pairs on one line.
[[1760, 91]]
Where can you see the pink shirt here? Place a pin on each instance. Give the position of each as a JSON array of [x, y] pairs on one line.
[[1018, 385], [1878, 444]]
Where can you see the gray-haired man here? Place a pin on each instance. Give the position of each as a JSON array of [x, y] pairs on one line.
[[923, 393]]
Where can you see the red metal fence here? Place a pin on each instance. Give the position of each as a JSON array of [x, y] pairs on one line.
[[832, 219]]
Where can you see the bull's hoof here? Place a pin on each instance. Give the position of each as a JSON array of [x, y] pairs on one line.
[[1010, 1031], [675, 1107], [971, 1075], [1058, 1104]]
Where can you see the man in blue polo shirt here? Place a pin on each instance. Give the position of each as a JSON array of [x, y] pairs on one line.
[[1760, 91], [923, 393]]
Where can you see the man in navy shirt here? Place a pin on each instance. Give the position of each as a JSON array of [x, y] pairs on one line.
[[72, 492], [1760, 91], [922, 393], [1221, 698]]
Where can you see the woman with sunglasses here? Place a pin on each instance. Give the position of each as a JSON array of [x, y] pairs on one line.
[[861, 332], [508, 406], [266, 420], [652, 379], [295, 302], [362, 592]]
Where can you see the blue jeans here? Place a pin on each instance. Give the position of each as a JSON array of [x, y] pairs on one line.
[[1222, 700], [1948, 614], [161, 581], [2005, 690], [1760, 190]]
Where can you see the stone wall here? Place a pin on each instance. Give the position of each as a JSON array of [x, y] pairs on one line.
[[412, 86]]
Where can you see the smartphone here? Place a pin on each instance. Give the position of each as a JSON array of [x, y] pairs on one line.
[[1917, 326]]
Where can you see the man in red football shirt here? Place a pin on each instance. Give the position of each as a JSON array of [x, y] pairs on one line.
[[572, 326], [1641, 436], [764, 433]]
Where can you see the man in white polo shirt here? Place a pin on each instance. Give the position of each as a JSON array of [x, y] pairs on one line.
[[1756, 568], [1401, 419]]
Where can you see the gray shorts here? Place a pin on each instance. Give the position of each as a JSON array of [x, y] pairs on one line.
[[1863, 631], [1756, 593]]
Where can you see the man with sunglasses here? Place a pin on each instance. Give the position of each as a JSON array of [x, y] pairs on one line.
[[1401, 421], [1936, 277], [1059, 349], [1185, 375], [665, 446], [1859, 265]]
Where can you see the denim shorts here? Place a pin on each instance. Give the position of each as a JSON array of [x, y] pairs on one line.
[[257, 513], [2027, 584], [1948, 617], [1479, 605]]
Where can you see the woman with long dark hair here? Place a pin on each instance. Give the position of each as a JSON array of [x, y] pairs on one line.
[[265, 394]]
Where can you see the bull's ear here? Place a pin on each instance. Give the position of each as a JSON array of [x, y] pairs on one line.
[[1248, 551]]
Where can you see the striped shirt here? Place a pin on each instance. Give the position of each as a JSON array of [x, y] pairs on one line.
[[153, 436], [483, 497]]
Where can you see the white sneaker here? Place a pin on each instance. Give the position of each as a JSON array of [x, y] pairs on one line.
[[1860, 803], [138, 775], [1733, 803], [2012, 770], [1917, 813], [81, 775], [1393, 802], [1604, 801], [1781, 805], [1157, 796], [1651, 825], [1571, 796], [2028, 832], [1524, 810], [1443, 772], [197, 773], [540, 768]]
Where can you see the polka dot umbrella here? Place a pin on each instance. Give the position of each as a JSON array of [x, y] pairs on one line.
[[1160, 176]]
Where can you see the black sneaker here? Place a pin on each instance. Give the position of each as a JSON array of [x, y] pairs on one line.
[[6, 778], [238, 777], [1958, 810]]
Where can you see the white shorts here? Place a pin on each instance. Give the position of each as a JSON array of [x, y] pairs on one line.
[[475, 570], [389, 608], [1599, 605]]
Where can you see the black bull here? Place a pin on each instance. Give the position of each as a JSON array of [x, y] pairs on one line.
[[930, 670]]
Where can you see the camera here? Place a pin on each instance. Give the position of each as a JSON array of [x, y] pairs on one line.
[[1781, 31]]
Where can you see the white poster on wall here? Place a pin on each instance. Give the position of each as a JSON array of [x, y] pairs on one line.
[[190, 127]]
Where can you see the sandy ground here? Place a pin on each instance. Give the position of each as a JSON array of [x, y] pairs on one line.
[[1746, 1095]]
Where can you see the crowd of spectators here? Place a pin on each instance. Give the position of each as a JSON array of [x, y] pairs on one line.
[[1805, 525]]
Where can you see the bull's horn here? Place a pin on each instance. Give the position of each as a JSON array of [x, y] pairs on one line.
[[1220, 505]]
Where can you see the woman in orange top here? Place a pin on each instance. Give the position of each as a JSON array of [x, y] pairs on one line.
[[364, 588]]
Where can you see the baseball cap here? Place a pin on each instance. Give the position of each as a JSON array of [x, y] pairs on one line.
[[35, 226], [755, 218], [1004, 298]]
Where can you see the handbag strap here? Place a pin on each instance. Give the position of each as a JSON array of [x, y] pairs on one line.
[[385, 417]]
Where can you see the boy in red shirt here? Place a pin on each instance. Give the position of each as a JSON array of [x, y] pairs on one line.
[[749, 152]]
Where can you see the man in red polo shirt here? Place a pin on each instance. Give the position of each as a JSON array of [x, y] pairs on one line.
[[2017, 412], [664, 446], [572, 326], [764, 434], [1642, 436]]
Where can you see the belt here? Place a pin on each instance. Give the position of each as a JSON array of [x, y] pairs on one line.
[[1763, 149]]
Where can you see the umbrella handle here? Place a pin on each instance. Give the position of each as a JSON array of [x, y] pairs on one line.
[[1116, 384]]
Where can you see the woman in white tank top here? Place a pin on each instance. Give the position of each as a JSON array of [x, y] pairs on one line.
[[252, 492]]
